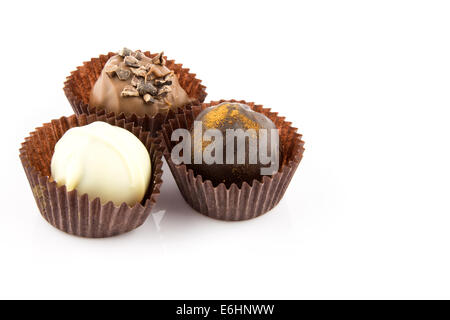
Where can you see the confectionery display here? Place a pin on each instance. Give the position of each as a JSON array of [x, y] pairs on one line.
[[103, 161], [223, 117], [98, 172], [133, 83]]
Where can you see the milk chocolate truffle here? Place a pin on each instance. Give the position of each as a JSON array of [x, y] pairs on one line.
[[103, 161], [133, 83], [247, 126]]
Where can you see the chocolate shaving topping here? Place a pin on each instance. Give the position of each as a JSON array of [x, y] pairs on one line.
[[135, 81], [123, 74], [159, 72], [148, 98], [159, 83], [125, 52], [164, 91], [151, 80], [140, 72], [169, 75], [147, 87], [159, 59], [138, 54], [111, 69], [129, 91], [150, 77], [131, 61]]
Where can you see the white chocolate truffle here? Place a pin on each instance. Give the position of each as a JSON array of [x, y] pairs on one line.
[[103, 161]]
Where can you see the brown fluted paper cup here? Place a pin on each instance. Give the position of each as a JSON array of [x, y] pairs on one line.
[[79, 84], [236, 202], [75, 213]]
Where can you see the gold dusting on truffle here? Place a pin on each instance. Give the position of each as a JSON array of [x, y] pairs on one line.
[[215, 117], [205, 144], [227, 113], [201, 148], [234, 113], [246, 122]]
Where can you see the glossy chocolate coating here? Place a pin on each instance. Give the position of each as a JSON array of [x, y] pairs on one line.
[[231, 116], [110, 90]]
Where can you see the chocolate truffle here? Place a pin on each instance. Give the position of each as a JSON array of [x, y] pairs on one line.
[[133, 83], [242, 130], [103, 161]]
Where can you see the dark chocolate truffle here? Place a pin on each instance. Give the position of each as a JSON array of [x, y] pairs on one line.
[[133, 83], [235, 116]]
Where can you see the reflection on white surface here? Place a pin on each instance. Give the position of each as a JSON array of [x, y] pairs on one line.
[[175, 229], [157, 217]]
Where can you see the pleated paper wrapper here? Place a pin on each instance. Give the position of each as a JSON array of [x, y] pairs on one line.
[[75, 213], [234, 203], [79, 84]]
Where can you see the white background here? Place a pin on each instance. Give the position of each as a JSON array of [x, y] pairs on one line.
[[367, 213]]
